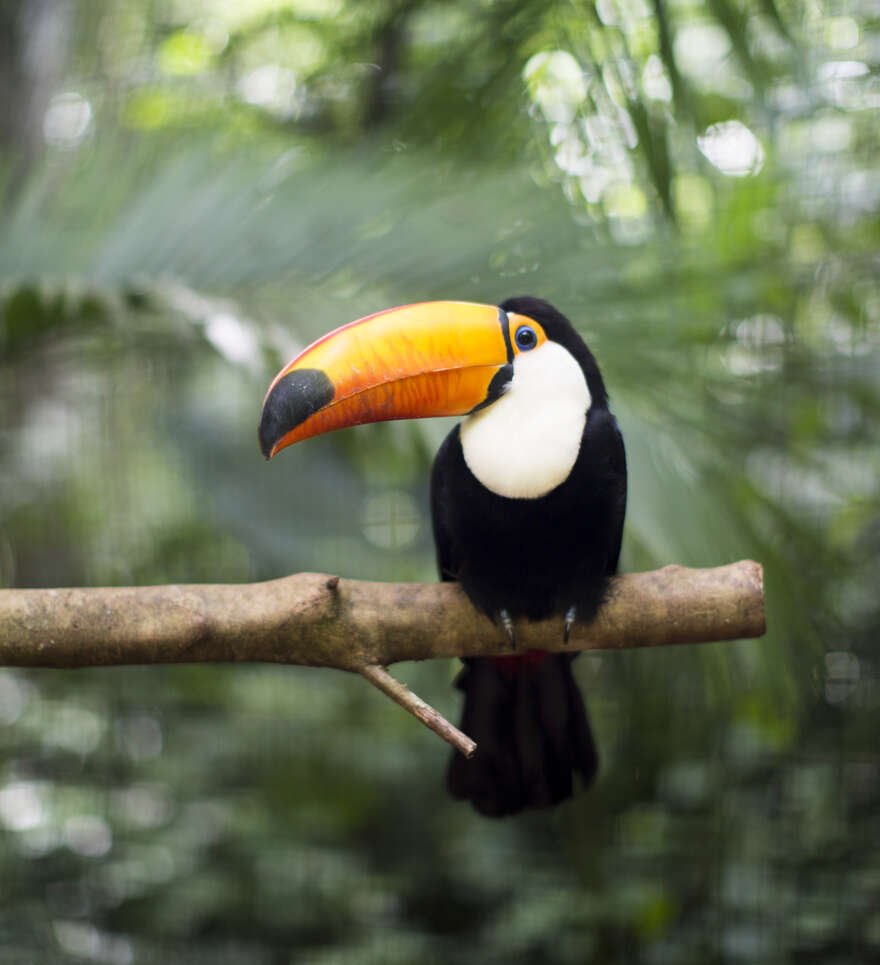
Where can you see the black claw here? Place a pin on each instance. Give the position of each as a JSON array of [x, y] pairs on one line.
[[507, 623], [569, 623]]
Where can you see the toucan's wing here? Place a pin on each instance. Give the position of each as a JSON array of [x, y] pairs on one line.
[[448, 559], [618, 466]]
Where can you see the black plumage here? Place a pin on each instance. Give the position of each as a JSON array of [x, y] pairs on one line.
[[533, 558]]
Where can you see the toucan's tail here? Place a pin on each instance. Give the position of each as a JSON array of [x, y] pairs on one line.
[[529, 721]]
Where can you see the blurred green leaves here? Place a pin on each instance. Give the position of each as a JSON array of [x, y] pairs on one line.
[[695, 186]]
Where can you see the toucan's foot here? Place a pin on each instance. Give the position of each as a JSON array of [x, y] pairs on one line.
[[507, 623], [569, 623]]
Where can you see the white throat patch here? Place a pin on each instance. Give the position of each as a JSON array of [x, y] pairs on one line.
[[526, 443]]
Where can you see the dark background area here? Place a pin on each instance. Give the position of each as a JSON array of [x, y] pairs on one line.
[[190, 191]]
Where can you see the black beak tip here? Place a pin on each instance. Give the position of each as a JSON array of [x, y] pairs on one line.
[[293, 399], [267, 433]]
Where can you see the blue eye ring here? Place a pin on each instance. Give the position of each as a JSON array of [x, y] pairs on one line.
[[526, 338]]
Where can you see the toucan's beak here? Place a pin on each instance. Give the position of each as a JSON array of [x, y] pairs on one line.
[[429, 359]]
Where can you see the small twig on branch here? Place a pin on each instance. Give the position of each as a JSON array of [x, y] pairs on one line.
[[354, 625], [393, 688]]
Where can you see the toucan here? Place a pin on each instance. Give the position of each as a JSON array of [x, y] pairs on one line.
[[528, 495]]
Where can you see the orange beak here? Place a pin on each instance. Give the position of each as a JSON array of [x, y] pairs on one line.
[[428, 359]]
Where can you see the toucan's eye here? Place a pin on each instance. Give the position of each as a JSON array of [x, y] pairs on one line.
[[525, 338]]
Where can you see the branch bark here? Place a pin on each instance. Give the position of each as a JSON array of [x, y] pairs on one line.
[[323, 621], [355, 625]]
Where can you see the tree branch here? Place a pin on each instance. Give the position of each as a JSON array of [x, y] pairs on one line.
[[354, 625], [379, 677]]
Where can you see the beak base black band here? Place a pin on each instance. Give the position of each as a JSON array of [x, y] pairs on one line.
[[500, 381], [504, 322]]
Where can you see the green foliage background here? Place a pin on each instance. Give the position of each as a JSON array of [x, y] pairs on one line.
[[214, 184]]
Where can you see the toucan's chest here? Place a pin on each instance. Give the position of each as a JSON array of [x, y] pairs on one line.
[[534, 557]]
